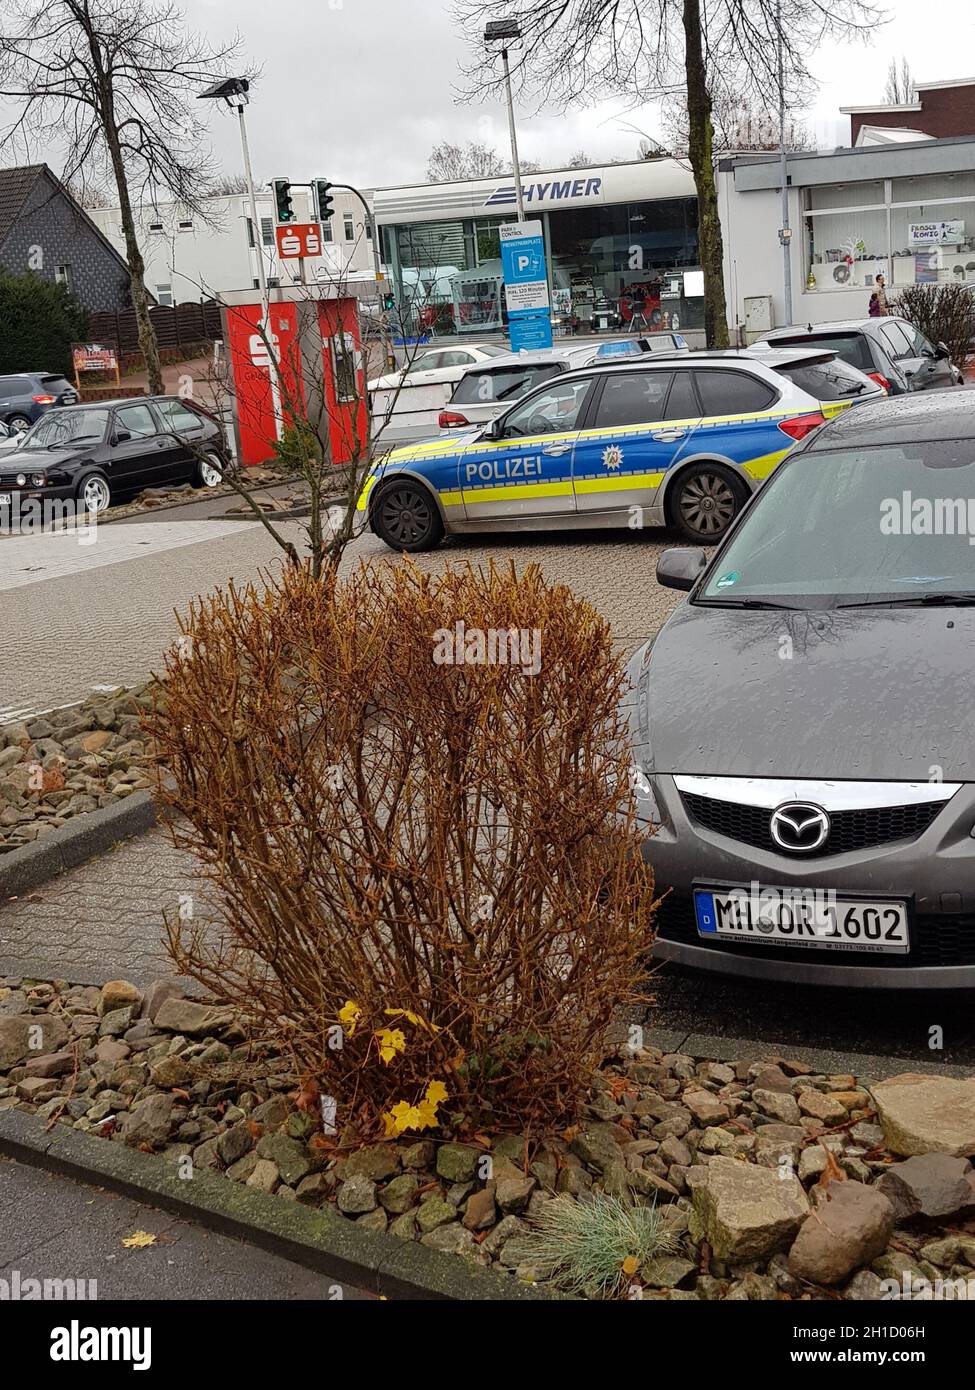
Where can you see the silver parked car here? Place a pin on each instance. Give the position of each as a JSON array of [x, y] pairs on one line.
[[802, 726]]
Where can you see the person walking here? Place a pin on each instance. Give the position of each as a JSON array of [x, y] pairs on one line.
[[883, 307]]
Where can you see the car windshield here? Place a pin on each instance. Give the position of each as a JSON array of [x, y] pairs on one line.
[[500, 383], [66, 427], [880, 524]]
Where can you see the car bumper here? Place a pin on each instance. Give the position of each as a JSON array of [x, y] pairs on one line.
[[933, 873]]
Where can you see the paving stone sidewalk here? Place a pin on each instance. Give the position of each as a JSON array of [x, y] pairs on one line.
[[102, 918]]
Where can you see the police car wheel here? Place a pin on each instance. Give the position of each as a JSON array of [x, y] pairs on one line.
[[405, 517], [707, 499]]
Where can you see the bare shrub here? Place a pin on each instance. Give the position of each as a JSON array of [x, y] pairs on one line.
[[944, 314], [426, 871]]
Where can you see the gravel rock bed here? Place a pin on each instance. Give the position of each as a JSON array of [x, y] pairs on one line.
[[771, 1181], [70, 761]]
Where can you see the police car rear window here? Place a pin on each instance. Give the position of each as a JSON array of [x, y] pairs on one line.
[[828, 381], [500, 383], [732, 393]]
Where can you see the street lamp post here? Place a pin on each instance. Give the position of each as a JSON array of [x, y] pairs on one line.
[[785, 231], [503, 31], [234, 90]]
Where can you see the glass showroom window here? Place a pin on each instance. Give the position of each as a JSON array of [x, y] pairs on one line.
[[932, 229], [846, 237]]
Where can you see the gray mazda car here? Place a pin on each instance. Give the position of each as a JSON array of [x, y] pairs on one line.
[[802, 726]]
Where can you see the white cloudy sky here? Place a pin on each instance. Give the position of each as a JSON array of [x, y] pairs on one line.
[[359, 90]]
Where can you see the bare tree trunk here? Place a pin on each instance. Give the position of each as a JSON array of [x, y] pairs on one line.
[[700, 150], [148, 343]]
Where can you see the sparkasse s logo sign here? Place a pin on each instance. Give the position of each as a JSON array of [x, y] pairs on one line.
[[558, 190]]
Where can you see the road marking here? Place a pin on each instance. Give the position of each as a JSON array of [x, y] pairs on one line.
[[37, 558]]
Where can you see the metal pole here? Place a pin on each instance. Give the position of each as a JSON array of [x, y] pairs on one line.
[[785, 235], [261, 274], [514, 138]]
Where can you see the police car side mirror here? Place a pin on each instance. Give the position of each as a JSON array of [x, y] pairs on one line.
[[496, 428], [681, 567]]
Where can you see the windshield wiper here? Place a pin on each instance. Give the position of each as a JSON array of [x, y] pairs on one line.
[[746, 603], [67, 443], [916, 600]]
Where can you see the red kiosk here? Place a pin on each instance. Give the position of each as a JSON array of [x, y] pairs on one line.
[[314, 334]]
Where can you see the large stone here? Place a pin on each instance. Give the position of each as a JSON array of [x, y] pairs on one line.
[[706, 1108], [357, 1195], [53, 1064], [778, 1104], [118, 994], [512, 1194], [822, 1107], [149, 1123], [291, 1157], [457, 1162], [597, 1147], [29, 1035], [927, 1114], [171, 1071], [433, 1213], [851, 1228], [264, 1176], [745, 1211], [156, 995], [193, 1019], [933, 1185], [235, 1143], [400, 1194], [480, 1212], [375, 1161]]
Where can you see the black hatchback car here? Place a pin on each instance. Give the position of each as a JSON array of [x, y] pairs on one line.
[[889, 349], [100, 454]]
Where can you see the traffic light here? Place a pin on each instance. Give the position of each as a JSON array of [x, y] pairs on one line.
[[321, 191], [283, 207], [389, 301]]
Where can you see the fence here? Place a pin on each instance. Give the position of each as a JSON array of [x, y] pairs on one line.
[[182, 325]]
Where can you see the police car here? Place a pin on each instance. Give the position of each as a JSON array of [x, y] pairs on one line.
[[676, 441]]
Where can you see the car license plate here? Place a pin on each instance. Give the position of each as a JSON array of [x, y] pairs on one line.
[[752, 915], [4, 499]]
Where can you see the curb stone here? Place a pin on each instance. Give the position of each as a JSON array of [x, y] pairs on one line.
[[75, 843], [876, 1066], [317, 1239]]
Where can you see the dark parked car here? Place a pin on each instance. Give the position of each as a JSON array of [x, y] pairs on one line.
[[26, 396], [99, 454], [802, 726], [889, 349]]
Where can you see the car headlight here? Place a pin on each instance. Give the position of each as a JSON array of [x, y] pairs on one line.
[[38, 479]]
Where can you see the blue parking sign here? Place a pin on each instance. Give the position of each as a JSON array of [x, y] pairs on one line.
[[526, 285]]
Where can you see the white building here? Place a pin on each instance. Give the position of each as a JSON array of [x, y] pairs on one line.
[[189, 257], [904, 209]]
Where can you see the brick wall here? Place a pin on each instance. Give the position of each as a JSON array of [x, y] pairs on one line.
[[50, 232], [945, 111]]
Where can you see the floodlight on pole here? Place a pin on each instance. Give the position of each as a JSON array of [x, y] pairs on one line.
[[235, 92], [505, 32]]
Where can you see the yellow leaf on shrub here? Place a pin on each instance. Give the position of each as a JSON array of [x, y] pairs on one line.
[[428, 1115], [436, 1093], [412, 1018], [349, 1015], [391, 1041], [631, 1264]]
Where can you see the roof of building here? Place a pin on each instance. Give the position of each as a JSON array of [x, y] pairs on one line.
[[888, 135], [17, 184]]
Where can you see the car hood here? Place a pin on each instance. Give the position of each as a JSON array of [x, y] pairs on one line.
[[874, 693], [43, 460], [438, 443]]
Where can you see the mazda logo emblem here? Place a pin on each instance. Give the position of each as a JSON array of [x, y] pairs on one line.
[[799, 827]]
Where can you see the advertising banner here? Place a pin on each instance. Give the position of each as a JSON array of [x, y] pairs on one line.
[[525, 285]]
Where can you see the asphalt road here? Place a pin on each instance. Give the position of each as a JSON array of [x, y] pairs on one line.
[[54, 1228]]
